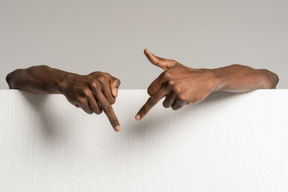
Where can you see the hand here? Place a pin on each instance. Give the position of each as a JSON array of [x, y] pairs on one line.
[[180, 85], [93, 93]]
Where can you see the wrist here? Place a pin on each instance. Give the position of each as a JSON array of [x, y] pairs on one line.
[[64, 81], [218, 79]]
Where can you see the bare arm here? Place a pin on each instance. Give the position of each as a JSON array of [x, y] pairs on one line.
[[240, 78], [39, 79], [93, 93], [181, 85]]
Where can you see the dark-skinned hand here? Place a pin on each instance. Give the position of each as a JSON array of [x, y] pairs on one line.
[[179, 84], [94, 93]]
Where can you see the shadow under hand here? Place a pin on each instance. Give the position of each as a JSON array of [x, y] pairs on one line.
[[160, 120], [49, 126]]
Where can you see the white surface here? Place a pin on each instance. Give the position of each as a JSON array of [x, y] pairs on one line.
[[82, 36], [229, 142]]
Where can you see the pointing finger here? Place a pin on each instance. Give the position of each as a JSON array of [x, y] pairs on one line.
[[155, 85], [107, 108], [151, 102]]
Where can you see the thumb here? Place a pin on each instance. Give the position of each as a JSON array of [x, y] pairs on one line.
[[158, 61], [114, 85]]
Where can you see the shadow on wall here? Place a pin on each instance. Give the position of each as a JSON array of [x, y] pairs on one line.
[[153, 125], [49, 119], [52, 120]]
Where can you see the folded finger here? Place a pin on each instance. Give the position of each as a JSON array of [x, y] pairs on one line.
[[93, 104], [178, 104], [114, 86], [84, 105], [107, 92], [169, 100]]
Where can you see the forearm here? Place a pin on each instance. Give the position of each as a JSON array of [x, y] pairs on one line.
[[240, 78], [38, 79]]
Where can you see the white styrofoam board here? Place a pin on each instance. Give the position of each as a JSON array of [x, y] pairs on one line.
[[229, 142]]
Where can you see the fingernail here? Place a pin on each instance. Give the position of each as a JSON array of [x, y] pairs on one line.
[[138, 117], [116, 92], [117, 128]]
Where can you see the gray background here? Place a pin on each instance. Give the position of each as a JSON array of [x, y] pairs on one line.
[[85, 36]]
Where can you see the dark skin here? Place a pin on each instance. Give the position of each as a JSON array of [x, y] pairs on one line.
[[94, 93], [181, 85]]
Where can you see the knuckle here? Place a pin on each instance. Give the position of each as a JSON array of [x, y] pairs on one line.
[[93, 85], [101, 79], [149, 91], [176, 89], [143, 110], [106, 74], [166, 75], [94, 73], [151, 100], [86, 91], [170, 83], [107, 108]]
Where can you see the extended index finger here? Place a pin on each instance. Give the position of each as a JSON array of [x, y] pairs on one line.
[[151, 102], [108, 110]]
